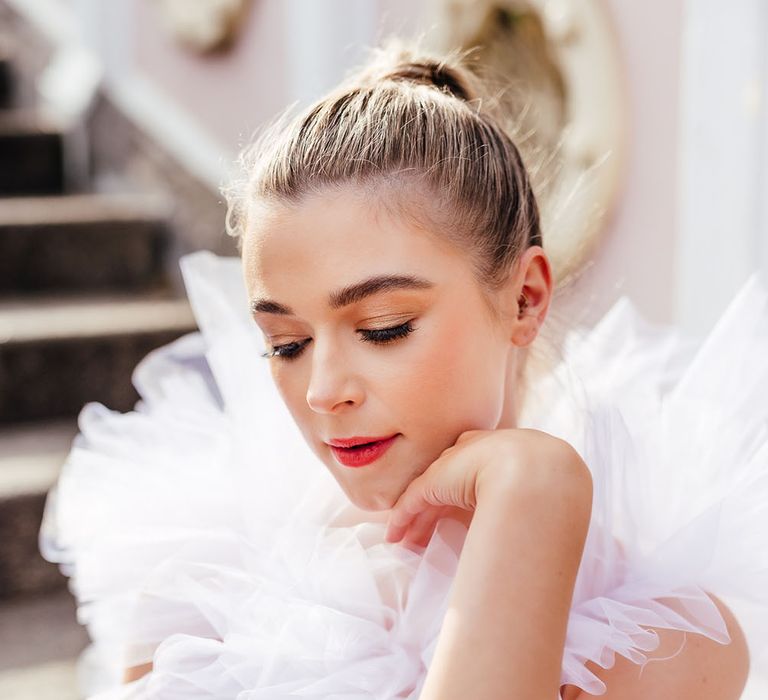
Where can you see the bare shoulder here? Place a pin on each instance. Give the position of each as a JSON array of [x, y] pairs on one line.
[[547, 460], [700, 668]]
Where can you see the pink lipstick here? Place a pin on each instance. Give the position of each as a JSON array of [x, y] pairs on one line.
[[359, 451]]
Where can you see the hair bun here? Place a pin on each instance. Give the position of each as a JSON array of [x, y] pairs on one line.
[[433, 73], [408, 61]]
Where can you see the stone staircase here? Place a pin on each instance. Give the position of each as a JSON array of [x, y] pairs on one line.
[[83, 298]]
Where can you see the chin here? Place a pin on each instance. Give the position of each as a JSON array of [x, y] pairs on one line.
[[372, 502]]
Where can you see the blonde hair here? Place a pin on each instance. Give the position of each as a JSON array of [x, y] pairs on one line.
[[417, 132]]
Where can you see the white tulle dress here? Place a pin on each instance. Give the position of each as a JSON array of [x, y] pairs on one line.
[[200, 532]]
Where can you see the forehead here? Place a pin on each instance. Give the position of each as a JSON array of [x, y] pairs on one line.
[[331, 239]]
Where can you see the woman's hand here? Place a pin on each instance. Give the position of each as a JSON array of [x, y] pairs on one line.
[[529, 495], [452, 484]]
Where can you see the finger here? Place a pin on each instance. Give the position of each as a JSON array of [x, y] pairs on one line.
[[467, 435], [395, 532], [422, 526], [398, 525], [408, 506]]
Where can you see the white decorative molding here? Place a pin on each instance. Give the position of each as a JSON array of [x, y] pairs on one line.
[[203, 25], [723, 157]]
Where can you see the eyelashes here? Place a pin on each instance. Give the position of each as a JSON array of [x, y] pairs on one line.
[[379, 336]]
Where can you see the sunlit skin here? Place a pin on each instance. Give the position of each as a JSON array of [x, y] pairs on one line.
[[451, 374]]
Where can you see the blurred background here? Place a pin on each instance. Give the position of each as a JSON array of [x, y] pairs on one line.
[[120, 120]]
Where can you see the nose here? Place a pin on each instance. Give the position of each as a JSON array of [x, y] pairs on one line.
[[332, 382]]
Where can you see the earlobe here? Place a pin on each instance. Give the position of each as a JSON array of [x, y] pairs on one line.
[[526, 327], [525, 330]]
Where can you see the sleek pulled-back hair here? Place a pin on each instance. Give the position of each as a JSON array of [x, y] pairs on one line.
[[416, 132]]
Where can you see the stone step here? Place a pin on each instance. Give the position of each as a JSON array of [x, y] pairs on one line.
[[31, 456], [52, 680], [31, 154], [82, 242], [6, 78], [40, 641], [56, 354]]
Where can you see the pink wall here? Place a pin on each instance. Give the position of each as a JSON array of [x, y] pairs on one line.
[[637, 257], [231, 93]]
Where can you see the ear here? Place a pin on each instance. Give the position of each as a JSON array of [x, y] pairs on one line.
[[531, 290]]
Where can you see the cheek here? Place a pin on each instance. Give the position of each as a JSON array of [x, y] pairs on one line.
[[456, 376]]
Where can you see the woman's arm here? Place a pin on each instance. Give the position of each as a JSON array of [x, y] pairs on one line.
[[135, 672], [684, 667], [504, 632]]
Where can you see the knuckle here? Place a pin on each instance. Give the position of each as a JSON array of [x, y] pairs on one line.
[[469, 435]]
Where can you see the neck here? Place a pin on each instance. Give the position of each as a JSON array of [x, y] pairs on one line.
[[514, 387]]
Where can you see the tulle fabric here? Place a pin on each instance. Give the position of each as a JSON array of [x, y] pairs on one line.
[[200, 533]]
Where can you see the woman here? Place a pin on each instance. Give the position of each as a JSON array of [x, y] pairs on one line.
[[395, 276]]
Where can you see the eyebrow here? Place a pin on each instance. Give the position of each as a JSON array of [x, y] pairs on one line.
[[352, 293]]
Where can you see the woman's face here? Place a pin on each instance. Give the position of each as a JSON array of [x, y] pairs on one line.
[[441, 372]]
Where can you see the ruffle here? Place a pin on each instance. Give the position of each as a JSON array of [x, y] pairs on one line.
[[200, 533], [676, 435]]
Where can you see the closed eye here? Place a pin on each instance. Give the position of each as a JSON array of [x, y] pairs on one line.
[[380, 336]]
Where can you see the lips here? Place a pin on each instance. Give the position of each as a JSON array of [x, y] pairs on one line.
[[357, 440], [360, 451]]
